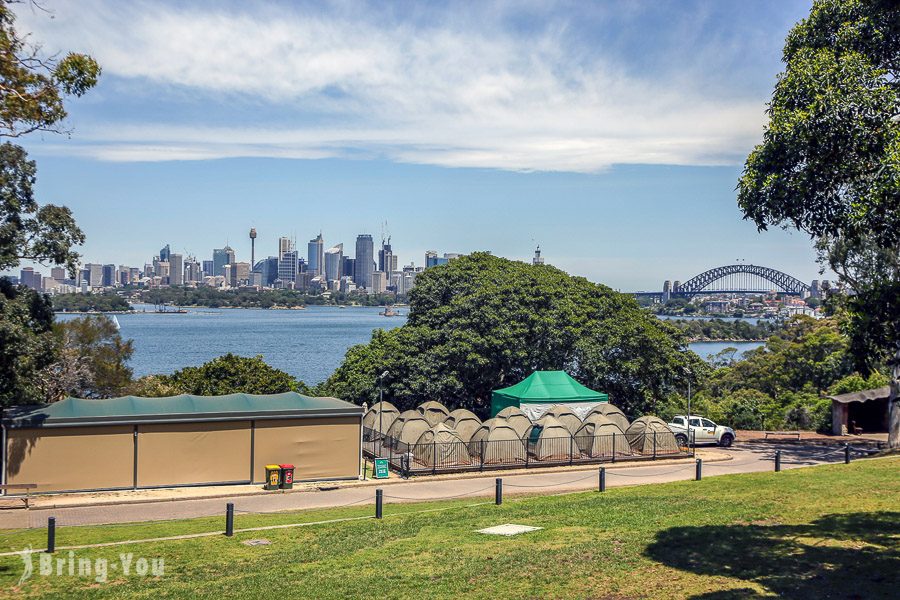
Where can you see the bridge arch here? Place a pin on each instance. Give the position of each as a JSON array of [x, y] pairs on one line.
[[701, 283]]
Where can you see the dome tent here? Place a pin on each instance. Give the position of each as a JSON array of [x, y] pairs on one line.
[[441, 446], [434, 412], [379, 418], [611, 412], [516, 419], [535, 394], [464, 422], [600, 437], [651, 435], [407, 429], [496, 442], [564, 415], [552, 440]]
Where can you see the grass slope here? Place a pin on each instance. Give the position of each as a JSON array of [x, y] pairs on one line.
[[824, 532]]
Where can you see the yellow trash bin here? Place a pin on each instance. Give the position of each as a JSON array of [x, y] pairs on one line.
[[273, 477]]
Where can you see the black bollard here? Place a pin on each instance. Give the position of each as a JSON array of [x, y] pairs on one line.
[[379, 501], [602, 479], [846, 454], [777, 460], [51, 535], [229, 519], [699, 474], [498, 491]]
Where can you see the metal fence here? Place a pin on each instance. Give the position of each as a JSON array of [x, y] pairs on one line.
[[480, 455]]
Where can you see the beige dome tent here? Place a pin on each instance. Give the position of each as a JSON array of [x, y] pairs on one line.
[[379, 419], [516, 419], [497, 442], [407, 429], [434, 412], [441, 446], [464, 422], [651, 435], [552, 440], [599, 437], [611, 412], [564, 415]]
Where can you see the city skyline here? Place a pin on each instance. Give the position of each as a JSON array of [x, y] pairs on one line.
[[584, 133]]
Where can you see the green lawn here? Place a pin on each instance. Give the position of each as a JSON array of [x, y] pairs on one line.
[[825, 532]]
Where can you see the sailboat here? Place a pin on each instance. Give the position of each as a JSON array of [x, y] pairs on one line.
[[116, 322]]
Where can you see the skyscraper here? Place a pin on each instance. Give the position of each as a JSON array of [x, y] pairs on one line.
[[221, 257], [334, 257], [165, 253], [176, 269], [288, 263], [348, 267], [365, 265], [315, 256], [385, 257], [109, 275]]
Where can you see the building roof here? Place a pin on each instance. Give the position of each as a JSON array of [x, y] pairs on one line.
[[863, 396], [184, 408]]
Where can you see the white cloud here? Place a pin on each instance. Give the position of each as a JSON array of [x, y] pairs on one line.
[[462, 92]]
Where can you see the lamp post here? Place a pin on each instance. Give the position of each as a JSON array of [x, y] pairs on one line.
[[689, 429], [381, 406]]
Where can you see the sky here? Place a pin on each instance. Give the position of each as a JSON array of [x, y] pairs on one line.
[[611, 133]]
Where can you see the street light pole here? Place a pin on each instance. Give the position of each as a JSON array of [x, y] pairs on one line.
[[381, 407]]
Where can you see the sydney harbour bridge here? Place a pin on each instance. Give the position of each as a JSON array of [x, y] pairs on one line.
[[734, 279]]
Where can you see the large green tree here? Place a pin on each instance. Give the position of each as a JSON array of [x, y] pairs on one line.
[[829, 164], [482, 322], [32, 93]]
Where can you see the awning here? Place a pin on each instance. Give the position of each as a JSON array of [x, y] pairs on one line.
[[543, 389]]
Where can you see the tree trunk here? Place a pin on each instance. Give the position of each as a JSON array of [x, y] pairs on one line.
[[894, 404]]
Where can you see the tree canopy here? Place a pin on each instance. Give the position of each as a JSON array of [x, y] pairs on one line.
[[829, 163], [481, 322], [227, 374]]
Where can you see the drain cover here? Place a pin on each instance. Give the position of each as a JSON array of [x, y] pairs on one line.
[[508, 529], [260, 542]]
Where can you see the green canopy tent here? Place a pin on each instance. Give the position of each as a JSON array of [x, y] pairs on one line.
[[537, 393]]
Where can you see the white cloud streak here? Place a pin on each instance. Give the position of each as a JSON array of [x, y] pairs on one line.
[[461, 93]]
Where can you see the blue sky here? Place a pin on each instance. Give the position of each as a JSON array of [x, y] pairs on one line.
[[611, 133]]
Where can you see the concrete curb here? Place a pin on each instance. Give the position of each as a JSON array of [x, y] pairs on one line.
[[719, 457]]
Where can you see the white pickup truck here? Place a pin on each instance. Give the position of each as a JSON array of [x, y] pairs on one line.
[[703, 431]]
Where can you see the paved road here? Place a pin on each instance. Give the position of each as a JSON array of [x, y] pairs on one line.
[[746, 458]]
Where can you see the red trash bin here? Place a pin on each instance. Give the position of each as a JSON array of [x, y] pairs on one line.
[[287, 476]]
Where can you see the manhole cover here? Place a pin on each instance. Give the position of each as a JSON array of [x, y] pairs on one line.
[[260, 542], [508, 529]]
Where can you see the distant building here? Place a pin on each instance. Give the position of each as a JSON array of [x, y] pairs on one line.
[[58, 273], [240, 274], [30, 278], [334, 257], [379, 282], [347, 285], [433, 260], [365, 263], [288, 263], [538, 259], [315, 255], [94, 275], [176, 269], [386, 258], [193, 273], [165, 253], [208, 268], [348, 267], [221, 257]]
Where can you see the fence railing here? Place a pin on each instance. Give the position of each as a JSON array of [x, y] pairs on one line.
[[479, 455]]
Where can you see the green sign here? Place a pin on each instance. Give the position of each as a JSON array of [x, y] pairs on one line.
[[381, 468]]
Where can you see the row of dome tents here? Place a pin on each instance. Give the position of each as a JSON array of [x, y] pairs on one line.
[[508, 437]]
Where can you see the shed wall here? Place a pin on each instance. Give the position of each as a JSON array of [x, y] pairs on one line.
[[193, 453], [71, 458], [319, 448]]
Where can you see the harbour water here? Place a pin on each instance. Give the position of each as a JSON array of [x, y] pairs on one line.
[[309, 344]]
